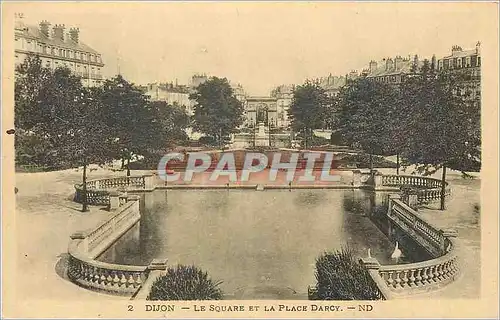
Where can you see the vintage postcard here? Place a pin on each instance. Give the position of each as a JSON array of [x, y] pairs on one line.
[[249, 159]]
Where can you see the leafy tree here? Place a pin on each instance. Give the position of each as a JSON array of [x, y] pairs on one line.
[[130, 118], [172, 121], [308, 109], [217, 112], [368, 116], [53, 110], [444, 127]]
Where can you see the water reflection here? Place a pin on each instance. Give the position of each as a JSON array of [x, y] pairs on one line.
[[256, 241]]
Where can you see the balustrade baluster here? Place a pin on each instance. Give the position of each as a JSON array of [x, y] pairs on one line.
[[123, 281], [404, 279], [411, 279], [116, 280], [390, 281], [109, 280], [425, 276], [397, 280], [131, 281], [139, 279]]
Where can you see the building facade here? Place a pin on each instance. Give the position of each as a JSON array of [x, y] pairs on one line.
[[171, 94], [284, 97], [468, 64], [56, 48], [392, 71]]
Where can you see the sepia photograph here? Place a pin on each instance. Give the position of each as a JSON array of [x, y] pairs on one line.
[[249, 159]]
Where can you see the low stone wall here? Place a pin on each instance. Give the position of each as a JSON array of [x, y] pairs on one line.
[[85, 247]]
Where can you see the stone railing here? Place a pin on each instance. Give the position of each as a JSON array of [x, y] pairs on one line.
[[402, 215], [98, 190], [85, 247], [413, 278], [402, 280], [411, 181]]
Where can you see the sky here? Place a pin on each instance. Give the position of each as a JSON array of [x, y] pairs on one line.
[[260, 45]]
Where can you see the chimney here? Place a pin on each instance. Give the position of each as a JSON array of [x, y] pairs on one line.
[[398, 63], [389, 64], [44, 28], [478, 47], [455, 49], [373, 66], [73, 34], [59, 32]]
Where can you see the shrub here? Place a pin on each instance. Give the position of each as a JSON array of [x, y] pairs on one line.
[[185, 283], [340, 277]]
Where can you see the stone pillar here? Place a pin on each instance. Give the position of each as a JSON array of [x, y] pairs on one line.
[[392, 197], [413, 199], [377, 180], [356, 178], [158, 264], [81, 235], [114, 200], [148, 182], [370, 263]]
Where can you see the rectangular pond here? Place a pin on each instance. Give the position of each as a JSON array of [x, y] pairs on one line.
[[261, 244]]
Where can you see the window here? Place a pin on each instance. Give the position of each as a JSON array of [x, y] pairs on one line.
[[467, 61], [459, 63], [478, 61], [52, 51], [440, 64], [60, 52], [47, 64]]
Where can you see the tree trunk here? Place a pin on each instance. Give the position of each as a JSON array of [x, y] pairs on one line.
[[128, 166], [443, 189], [123, 163], [397, 164], [371, 162], [85, 207], [269, 131]]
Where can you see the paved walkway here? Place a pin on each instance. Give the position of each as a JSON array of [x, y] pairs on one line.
[[45, 218], [462, 214]]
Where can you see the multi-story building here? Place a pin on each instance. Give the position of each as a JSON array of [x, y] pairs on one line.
[[170, 93], [284, 97], [468, 64], [392, 71], [332, 84], [56, 48]]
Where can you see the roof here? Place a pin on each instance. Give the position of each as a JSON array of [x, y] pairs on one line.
[[404, 66], [35, 33], [461, 54], [261, 99]]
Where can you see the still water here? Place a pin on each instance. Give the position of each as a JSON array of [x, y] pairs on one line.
[[261, 244]]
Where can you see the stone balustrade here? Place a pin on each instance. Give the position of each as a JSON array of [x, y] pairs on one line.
[[426, 189], [413, 278], [392, 280], [402, 215], [85, 247], [106, 277], [420, 277], [411, 181], [98, 190]]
